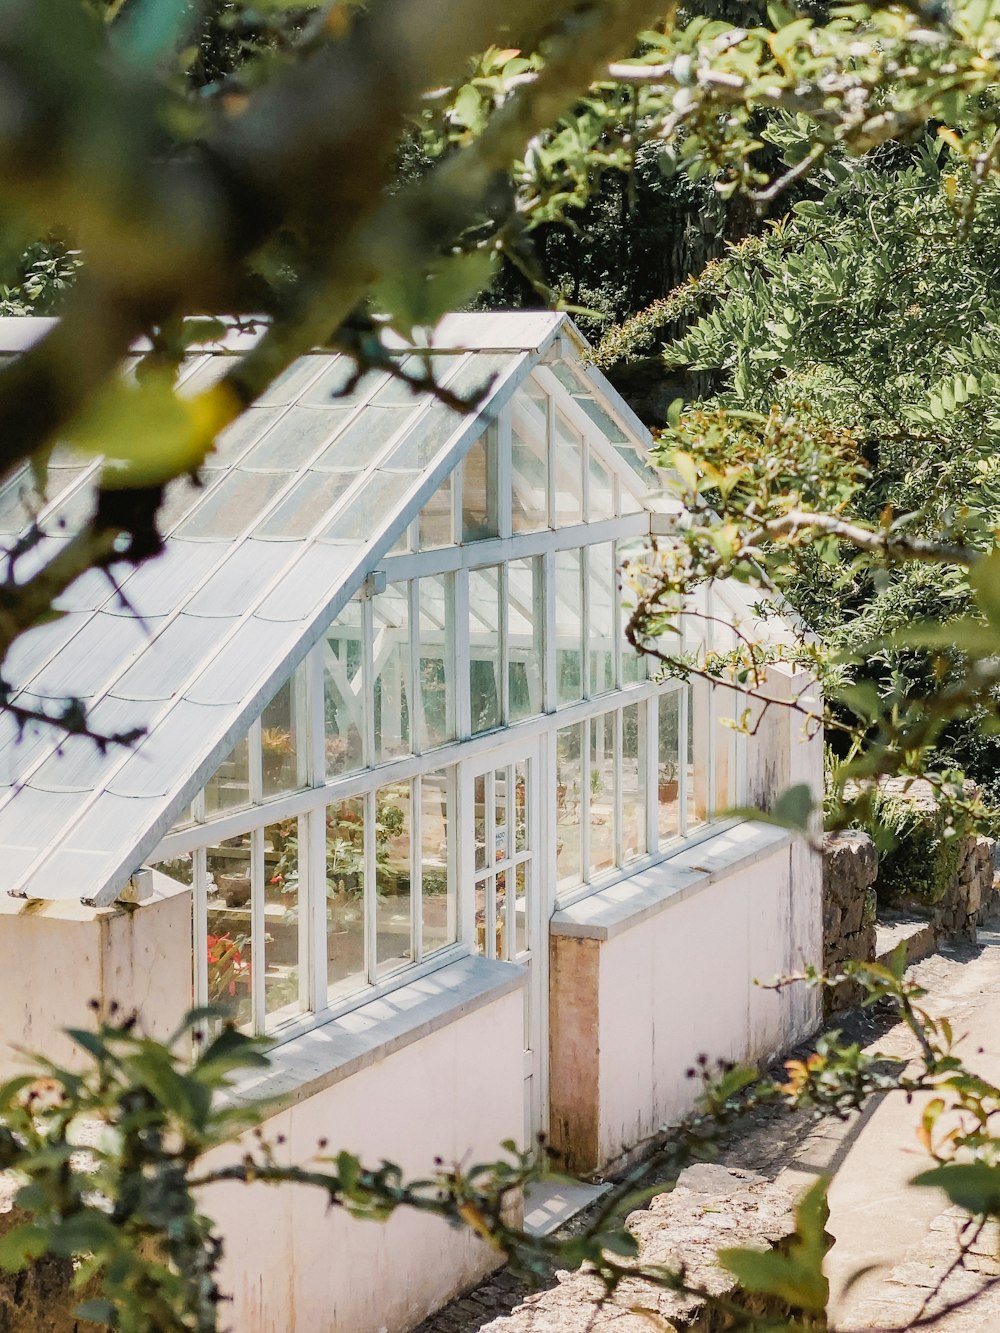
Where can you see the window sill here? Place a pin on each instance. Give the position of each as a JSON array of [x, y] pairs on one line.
[[333, 1051], [608, 912]]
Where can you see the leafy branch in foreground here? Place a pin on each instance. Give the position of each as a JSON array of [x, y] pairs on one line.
[[110, 1165]]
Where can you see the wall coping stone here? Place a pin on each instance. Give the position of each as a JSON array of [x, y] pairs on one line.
[[625, 904], [333, 1051]]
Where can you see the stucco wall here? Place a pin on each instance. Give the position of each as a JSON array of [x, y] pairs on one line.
[[57, 958], [682, 985], [292, 1264]]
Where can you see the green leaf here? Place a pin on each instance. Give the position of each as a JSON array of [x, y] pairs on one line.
[[22, 1245], [792, 810], [795, 1276], [85, 1233], [972, 1186]]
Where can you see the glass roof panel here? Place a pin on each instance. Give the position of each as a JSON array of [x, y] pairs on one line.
[[164, 668], [291, 383], [103, 645], [311, 497], [421, 445], [365, 513], [331, 385], [297, 436], [360, 443], [205, 372], [230, 508], [234, 441], [238, 582]]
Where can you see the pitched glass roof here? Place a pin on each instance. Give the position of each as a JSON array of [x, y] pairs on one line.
[[304, 495]]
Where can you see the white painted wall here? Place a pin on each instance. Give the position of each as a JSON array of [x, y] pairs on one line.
[[681, 984], [293, 1265]]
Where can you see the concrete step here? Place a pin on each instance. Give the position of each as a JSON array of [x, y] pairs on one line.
[[918, 934]]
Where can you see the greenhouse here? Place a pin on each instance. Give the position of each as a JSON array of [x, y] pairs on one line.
[[404, 786]]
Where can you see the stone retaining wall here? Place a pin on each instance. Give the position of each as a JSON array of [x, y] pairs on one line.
[[850, 867]]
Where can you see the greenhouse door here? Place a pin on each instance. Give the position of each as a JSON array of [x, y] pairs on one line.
[[502, 794]]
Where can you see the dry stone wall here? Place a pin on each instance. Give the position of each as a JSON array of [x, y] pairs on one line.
[[850, 867]]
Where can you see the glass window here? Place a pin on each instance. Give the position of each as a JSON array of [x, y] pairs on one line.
[[282, 721], [281, 920], [633, 782], [529, 481], [344, 692], [601, 820], [484, 647], [229, 944], [391, 650], [569, 792], [437, 694], [435, 518], [568, 463], [393, 890], [726, 710], [345, 897], [437, 877], [229, 786], [569, 627], [601, 606], [525, 617], [480, 511], [600, 491], [698, 744], [668, 807]]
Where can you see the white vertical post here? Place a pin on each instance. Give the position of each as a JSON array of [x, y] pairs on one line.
[[416, 868], [312, 908], [199, 925], [463, 701], [370, 899]]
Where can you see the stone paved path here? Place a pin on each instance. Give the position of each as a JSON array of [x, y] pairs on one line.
[[907, 1234]]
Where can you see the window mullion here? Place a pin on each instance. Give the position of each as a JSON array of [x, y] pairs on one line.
[[413, 683], [683, 750], [504, 647], [368, 679], [255, 764]]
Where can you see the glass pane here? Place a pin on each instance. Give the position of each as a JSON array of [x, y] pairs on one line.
[[480, 821], [525, 617], [668, 766], [437, 882], [529, 481], [725, 750], [501, 900], [569, 780], [520, 807], [568, 461], [345, 897], [522, 939], [483, 903], [229, 946], [602, 794], [698, 742], [229, 786], [435, 518], [237, 502], [306, 504], [502, 848], [393, 933], [437, 694], [392, 672], [484, 647], [301, 432], [600, 495], [280, 723], [179, 868], [343, 692], [569, 627], [633, 663], [281, 920], [359, 444], [633, 782], [479, 489], [601, 592]]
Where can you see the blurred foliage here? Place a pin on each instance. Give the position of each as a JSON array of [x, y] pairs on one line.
[[114, 1161], [848, 461]]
